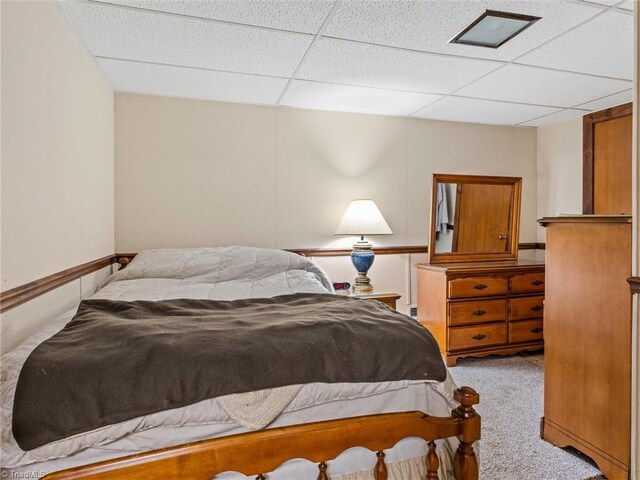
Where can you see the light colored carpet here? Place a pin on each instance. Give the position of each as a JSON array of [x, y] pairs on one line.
[[511, 400]]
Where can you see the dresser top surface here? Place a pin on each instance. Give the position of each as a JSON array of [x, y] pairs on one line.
[[585, 219], [485, 267]]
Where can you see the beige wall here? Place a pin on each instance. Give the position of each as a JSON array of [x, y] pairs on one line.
[[57, 154], [559, 169], [192, 173]]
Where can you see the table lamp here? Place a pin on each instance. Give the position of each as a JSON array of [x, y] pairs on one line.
[[362, 218]]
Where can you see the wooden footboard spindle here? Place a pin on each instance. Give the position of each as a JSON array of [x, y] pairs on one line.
[[465, 463], [380, 470], [323, 471], [255, 453], [433, 464]]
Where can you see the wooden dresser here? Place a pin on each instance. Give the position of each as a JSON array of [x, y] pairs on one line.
[[587, 383], [484, 308]]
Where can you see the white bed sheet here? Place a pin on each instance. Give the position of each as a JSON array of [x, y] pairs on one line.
[[207, 419]]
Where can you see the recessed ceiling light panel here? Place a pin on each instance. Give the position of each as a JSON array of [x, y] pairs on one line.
[[494, 28]]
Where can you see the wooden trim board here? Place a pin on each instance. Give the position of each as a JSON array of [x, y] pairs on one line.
[[397, 250], [19, 295], [24, 293]]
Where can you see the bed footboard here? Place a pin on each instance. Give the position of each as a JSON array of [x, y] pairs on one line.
[[263, 451]]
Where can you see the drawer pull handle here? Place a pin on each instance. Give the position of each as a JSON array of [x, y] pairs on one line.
[[479, 336], [536, 283], [480, 286], [537, 308], [536, 330], [479, 313]]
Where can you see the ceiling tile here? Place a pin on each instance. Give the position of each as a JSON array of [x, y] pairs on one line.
[[519, 83], [340, 61], [131, 34], [135, 77], [603, 46], [428, 26], [343, 98], [457, 109], [627, 5], [610, 101], [606, 3], [560, 116], [295, 15]]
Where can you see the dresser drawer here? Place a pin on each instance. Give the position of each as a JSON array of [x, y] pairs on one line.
[[527, 331], [477, 287], [482, 311], [527, 282], [526, 307], [461, 338]]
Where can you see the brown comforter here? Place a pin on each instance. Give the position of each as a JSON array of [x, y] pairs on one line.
[[119, 360]]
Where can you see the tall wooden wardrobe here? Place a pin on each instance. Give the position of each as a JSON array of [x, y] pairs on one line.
[[587, 315], [587, 311]]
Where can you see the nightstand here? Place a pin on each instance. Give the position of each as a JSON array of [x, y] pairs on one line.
[[386, 298]]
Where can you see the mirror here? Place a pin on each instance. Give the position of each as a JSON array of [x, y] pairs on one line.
[[474, 218]]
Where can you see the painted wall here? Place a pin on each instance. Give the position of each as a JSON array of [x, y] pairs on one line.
[[559, 170], [57, 155], [194, 173], [191, 172]]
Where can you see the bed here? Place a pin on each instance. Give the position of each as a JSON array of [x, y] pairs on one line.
[[293, 430]]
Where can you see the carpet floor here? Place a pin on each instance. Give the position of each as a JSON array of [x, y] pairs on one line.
[[511, 405]]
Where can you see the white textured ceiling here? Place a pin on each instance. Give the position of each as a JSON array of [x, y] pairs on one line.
[[388, 57]]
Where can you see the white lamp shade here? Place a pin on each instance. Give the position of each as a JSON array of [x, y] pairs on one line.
[[363, 218]]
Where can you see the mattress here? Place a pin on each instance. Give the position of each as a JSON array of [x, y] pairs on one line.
[[223, 274]]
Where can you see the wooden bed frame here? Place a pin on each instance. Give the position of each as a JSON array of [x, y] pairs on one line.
[[256, 453], [263, 451]]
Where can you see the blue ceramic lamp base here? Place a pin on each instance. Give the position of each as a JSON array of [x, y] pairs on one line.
[[362, 257]]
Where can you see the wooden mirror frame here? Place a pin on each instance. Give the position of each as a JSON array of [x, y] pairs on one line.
[[514, 220]]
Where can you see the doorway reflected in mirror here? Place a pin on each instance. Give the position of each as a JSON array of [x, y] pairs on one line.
[[474, 218]]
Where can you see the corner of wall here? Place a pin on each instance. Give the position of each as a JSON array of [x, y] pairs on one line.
[[57, 152]]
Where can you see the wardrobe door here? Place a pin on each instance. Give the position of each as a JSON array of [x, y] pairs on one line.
[[607, 161], [612, 167]]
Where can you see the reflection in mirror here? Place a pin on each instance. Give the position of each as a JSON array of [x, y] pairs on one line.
[[479, 216], [474, 218]]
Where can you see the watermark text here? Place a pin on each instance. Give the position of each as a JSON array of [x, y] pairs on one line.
[[22, 474]]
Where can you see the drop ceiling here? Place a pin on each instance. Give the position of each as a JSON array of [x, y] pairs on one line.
[[387, 57]]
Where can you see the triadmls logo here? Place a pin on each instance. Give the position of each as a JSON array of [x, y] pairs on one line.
[[22, 474]]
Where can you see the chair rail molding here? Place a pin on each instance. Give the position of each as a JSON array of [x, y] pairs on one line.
[[24, 293]]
